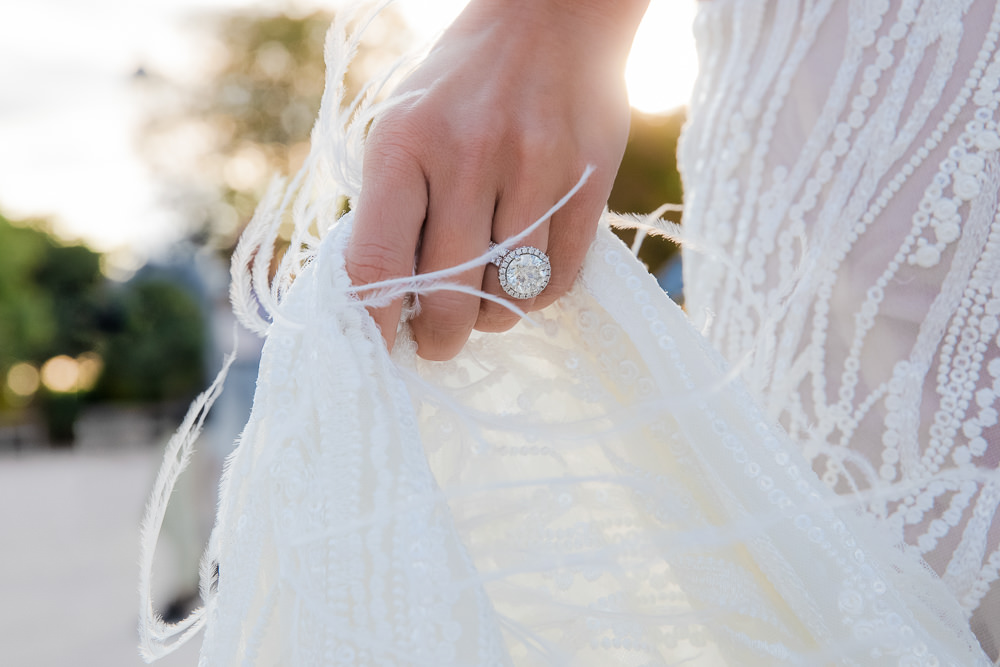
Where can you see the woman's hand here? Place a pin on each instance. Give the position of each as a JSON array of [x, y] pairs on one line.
[[519, 97]]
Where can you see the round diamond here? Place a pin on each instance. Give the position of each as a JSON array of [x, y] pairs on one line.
[[524, 272]]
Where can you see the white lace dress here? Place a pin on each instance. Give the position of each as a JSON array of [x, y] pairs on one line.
[[598, 487], [841, 163]]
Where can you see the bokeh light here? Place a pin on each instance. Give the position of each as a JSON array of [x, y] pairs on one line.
[[60, 374], [89, 365], [23, 379]]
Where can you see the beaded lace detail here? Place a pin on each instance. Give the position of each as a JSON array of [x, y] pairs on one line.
[[841, 173], [592, 490]]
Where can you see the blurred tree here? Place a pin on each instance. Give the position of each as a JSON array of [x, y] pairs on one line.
[[648, 175], [251, 116], [27, 321], [155, 342], [65, 326], [648, 178], [48, 295]]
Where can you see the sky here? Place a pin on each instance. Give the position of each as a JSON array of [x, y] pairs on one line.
[[70, 110]]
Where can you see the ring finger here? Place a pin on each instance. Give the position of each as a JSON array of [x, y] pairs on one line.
[[512, 215]]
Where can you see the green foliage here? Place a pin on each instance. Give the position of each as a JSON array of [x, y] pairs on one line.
[[154, 345], [648, 178], [648, 174], [55, 301], [48, 296]]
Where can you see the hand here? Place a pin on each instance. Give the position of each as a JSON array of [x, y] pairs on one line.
[[519, 96]]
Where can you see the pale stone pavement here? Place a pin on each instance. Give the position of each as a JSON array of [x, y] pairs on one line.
[[68, 557]]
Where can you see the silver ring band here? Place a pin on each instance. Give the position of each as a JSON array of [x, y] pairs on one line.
[[524, 271]]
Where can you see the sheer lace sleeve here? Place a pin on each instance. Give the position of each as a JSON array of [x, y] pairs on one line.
[[841, 173]]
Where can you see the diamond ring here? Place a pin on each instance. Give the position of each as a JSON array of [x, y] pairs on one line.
[[524, 271]]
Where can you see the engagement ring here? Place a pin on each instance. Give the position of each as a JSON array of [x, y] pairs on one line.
[[524, 271]]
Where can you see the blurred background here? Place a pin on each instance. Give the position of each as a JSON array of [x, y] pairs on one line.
[[135, 139]]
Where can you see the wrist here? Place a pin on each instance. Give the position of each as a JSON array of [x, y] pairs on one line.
[[605, 26], [616, 15]]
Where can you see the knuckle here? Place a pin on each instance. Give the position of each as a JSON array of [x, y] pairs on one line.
[[442, 327], [476, 141], [390, 152], [537, 143], [478, 149], [446, 320], [373, 260], [494, 318], [439, 344], [398, 121], [396, 138]]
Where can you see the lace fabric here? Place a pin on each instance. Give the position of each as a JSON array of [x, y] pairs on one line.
[[595, 487], [592, 490], [851, 202]]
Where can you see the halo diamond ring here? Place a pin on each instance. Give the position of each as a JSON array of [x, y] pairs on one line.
[[524, 271]]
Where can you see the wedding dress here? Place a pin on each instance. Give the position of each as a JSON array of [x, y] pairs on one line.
[[842, 159], [598, 486]]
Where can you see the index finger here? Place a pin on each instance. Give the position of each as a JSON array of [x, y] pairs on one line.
[[387, 221]]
